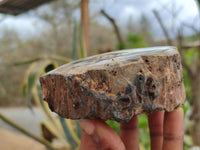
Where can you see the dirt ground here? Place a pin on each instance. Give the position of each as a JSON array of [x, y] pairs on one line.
[[11, 139], [15, 141], [25, 117]]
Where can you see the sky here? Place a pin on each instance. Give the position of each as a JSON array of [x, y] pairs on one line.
[[121, 11]]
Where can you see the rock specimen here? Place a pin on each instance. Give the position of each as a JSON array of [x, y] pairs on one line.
[[116, 85]]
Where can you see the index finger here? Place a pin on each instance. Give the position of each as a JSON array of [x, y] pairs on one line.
[[96, 134]]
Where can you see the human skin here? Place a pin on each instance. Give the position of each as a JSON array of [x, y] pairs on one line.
[[166, 133]]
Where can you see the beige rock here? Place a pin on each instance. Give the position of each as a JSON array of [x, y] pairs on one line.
[[116, 85]]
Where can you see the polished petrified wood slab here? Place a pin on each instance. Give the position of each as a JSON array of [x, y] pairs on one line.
[[116, 85]]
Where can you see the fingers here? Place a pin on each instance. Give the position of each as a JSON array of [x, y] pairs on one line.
[[156, 129], [98, 135], [86, 142], [129, 134], [173, 130], [165, 135]]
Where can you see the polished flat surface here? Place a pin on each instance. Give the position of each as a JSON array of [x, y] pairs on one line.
[[122, 57]]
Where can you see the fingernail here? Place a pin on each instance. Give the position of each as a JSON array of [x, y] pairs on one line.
[[87, 126]]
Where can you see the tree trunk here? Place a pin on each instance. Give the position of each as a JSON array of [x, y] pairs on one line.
[[85, 25]]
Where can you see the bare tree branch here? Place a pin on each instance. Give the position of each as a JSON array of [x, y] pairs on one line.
[[169, 42], [192, 27], [187, 67], [180, 39], [180, 45], [188, 46], [112, 21], [198, 1]]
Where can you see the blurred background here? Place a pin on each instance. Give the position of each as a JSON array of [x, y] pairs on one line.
[[65, 30]]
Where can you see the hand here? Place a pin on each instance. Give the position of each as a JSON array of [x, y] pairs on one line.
[[166, 132]]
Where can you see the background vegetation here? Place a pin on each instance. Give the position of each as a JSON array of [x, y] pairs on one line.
[[58, 37]]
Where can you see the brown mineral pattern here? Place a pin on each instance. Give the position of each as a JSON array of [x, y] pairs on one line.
[[116, 85]]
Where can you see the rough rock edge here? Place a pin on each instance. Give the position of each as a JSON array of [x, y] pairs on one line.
[[143, 86]]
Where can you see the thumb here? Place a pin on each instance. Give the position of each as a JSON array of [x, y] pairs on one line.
[[98, 134]]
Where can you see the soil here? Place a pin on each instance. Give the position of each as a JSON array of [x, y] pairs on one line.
[[10, 138], [15, 141]]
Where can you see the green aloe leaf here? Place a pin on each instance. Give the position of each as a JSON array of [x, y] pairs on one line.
[[82, 52], [68, 132], [33, 73]]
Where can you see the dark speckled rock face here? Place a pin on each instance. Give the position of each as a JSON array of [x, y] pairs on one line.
[[116, 85]]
